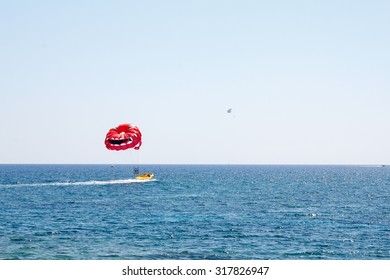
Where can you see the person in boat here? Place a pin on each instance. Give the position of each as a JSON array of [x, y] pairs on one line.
[[135, 171]]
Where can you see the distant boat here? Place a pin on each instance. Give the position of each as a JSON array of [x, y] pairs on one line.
[[145, 176]]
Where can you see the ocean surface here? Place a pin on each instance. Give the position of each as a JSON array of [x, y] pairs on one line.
[[194, 212]]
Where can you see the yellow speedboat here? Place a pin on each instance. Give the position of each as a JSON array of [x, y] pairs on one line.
[[145, 176]]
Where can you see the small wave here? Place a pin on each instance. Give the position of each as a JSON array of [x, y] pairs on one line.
[[86, 183]]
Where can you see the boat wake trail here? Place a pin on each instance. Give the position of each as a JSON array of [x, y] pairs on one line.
[[86, 183]]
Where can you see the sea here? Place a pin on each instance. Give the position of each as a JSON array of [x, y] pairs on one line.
[[195, 212]]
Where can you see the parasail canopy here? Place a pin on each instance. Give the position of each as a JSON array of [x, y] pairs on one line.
[[123, 137]]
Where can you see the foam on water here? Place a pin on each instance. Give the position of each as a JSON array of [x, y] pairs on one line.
[[86, 183]]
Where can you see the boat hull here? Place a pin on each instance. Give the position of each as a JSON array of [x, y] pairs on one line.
[[145, 176]]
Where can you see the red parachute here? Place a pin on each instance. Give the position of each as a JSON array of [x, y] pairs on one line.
[[123, 137]]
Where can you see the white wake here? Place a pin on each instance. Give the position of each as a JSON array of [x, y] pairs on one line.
[[86, 183]]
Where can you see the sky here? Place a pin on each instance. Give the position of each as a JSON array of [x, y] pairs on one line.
[[307, 81]]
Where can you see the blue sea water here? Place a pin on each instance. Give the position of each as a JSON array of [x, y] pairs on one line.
[[194, 212]]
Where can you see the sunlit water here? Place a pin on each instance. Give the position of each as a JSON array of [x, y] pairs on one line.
[[194, 212]]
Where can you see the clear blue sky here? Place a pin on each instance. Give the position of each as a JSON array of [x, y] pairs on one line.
[[308, 81]]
